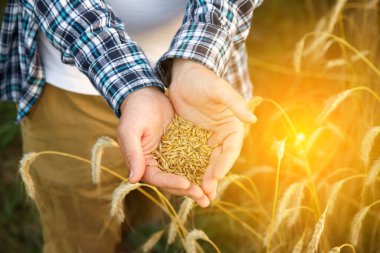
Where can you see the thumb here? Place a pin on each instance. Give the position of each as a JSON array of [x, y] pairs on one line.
[[235, 102], [130, 143]]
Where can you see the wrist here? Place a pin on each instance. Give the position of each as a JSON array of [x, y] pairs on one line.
[[183, 66], [145, 91]]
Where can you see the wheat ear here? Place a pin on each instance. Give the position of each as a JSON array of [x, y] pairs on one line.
[[96, 158]]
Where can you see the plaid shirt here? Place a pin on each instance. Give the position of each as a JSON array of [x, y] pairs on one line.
[[89, 35]]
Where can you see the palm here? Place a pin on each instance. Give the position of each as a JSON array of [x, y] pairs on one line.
[[196, 95]]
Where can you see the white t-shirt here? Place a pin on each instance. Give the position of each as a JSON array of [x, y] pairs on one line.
[[151, 23]]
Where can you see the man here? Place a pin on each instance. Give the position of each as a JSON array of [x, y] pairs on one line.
[[206, 55]]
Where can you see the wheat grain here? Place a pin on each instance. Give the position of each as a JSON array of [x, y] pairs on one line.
[[24, 170], [184, 150], [367, 143], [152, 241], [96, 158], [318, 230], [117, 203], [184, 211]]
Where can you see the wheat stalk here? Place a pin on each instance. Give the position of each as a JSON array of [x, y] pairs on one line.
[[117, 204], [24, 170], [367, 143], [298, 247], [332, 104], [225, 183], [183, 213], [298, 52], [297, 201], [255, 102], [335, 189], [280, 149], [191, 239], [327, 26], [334, 250], [373, 172], [357, 224], [96, 158], [152, 241], [292, 195], [318, 230]]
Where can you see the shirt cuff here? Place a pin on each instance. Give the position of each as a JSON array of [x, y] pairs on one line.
[[121, 70], [206, 44]]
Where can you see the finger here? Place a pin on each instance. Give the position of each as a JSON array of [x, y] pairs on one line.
[[155, 176], [209, 183], [226, 95], [230, 153], [194, 192], [130, 143]]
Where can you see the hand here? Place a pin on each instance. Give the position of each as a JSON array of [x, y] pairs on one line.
[[200, 96], [144, 115]]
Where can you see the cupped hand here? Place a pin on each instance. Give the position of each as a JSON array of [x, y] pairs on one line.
[[200, 96], [144, 115]]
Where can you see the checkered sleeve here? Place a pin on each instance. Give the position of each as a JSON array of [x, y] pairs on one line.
[[209, 32], [89, 35]]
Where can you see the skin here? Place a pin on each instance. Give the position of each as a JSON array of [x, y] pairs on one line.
[[199, 95], [144, 114]]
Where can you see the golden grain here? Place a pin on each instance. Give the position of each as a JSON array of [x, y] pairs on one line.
[[184, 150]]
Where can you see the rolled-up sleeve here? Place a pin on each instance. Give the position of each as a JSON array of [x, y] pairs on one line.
[[209, 33], [89, 35]]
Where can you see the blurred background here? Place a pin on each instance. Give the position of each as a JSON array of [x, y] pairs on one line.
[[302, 53]]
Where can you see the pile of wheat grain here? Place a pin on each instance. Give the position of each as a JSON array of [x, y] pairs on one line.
[[184, 150]]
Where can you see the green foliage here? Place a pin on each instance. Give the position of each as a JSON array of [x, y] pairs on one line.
[[9, 130]]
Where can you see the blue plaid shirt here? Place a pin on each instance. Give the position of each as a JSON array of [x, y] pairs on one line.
[[89, 35]]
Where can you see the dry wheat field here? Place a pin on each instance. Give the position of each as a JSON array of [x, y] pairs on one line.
[[308, 178]]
